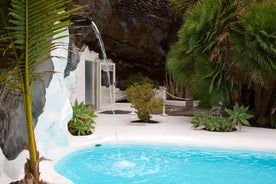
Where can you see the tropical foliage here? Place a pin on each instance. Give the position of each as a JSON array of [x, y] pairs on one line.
[[226, 52], [209, 122], [142, 98], [254, 53], [233, 120], [82, 121], [28, 34], [199, 58], [238, 116], [173, 87], [182, 6]]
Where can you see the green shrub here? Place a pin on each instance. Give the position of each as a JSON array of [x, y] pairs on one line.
[[82, 121], [142, 98], [137, 78], [233, 120], [212, 123]]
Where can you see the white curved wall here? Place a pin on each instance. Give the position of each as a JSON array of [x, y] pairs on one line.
[[51, 130]]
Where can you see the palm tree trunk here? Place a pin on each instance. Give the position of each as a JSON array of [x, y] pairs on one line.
[[262, 100], [189, 101], [32, 144], [28, 104]]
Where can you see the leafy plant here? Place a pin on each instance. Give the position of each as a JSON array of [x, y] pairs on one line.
[[254, 52], [82, 121], [137, 78], [182, 6], [29, 32], [239, 115], [142, 98], [199, 59], [173, 87], [212, 123], [199, 120], [233, 120]]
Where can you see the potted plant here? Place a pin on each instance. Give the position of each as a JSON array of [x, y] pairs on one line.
[[82, 121]]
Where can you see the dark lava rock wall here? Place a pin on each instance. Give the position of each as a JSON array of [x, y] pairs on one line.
[[137, 34], [13, 129]]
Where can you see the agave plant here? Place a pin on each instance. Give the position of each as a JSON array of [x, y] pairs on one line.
[[82, 122], [28, 35], [239, 115], [231, 121]]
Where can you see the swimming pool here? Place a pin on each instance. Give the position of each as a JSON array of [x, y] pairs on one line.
[[151, 164]]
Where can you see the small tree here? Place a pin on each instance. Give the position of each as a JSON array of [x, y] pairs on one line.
[[29, 32], [142, 98]]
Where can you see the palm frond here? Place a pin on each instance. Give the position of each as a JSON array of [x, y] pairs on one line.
[[33, 26], [181, 7], [254, 41]]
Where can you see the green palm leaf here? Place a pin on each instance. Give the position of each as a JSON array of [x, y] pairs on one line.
[[33, 27], [28, 37], [254, 40]]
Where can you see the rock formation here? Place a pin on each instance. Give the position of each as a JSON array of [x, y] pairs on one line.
[[137, 34], [13, 130]]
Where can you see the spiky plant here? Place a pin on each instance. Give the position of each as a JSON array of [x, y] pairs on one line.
[[27, 36]]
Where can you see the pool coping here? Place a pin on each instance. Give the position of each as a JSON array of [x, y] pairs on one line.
[[171, 130]]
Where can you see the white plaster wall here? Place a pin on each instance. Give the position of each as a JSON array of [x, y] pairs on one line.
[[75, 82], [51, 130]]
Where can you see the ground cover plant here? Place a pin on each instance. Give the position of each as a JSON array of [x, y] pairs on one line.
[[231, 120]]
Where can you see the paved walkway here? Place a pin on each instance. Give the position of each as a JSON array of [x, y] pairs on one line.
[[172, 130]]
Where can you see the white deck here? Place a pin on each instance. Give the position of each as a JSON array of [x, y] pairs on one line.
[[172, 130]]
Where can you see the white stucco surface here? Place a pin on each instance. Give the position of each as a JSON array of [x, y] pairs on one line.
[[172, 130], [51, 133], [54, 141]]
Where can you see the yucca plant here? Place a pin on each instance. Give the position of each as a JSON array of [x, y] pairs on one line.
[[27, 37]]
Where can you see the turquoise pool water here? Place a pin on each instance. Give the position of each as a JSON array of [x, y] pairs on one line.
[[148, 164]]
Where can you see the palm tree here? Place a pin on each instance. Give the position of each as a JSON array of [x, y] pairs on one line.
[[28, 37], [181, 7], [254, 42], [203, 51], [181, 70]]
